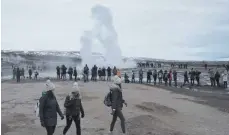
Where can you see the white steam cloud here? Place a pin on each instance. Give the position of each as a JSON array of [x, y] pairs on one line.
[[104, 32]]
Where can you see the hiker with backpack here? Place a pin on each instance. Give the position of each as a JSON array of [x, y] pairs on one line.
[[114, 99], [74, 108], [49, 108]]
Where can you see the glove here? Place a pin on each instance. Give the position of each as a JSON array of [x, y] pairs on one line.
[[42, 124], [113, 111], [82, 115], [62, 117]]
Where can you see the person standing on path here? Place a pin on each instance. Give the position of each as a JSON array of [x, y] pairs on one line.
[[18, 74], [49, 108], [225, 77], [75, 73], [117, 103], [73, 107]]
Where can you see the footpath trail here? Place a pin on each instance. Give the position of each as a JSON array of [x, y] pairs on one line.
[[150, 111]]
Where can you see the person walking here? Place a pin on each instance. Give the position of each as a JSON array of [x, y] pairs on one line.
[[74, 108], [117, 103], [49, 108]]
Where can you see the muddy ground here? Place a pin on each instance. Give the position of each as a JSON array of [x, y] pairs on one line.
[[150, 110]]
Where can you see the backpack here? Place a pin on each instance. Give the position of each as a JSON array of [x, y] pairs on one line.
[[108, 99]]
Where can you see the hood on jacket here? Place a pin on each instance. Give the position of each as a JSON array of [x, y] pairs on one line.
[[49, 86]]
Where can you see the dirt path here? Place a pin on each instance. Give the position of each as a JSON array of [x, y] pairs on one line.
[[150, 111]]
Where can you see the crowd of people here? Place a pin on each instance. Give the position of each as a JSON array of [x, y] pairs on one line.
[[102, 74], [19, 73], [171, 76], [49, 107]]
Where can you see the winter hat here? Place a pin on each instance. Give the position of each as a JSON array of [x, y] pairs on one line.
[[49, 85], [117, 80]]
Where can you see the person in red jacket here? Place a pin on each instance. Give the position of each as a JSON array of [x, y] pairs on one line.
[[170, 77]]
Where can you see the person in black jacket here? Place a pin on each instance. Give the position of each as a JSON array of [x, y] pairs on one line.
[[104, 73], [108, 74], [155, 76], [70, 72], [75, 73], [117, 103], [217, 77], [48, 109], [30, 73], [185, 78], [73, 107], [149, 74], [175, 77], [18, 74]]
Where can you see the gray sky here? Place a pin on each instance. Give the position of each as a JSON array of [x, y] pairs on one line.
[[169, 29]]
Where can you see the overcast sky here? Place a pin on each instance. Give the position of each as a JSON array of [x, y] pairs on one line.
[[168, 29]]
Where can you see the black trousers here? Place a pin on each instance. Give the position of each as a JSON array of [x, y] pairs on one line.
[[192, 81], [69, 120], [155, 80], [118, 113], [217, 82], [225, 84], [212, 81], [50, 130], [75, 77], [198, 80]]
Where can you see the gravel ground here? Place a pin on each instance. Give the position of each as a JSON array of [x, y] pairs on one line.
[[150, 111]]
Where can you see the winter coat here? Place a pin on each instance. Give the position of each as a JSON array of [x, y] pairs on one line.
[[103, 72], [58, 70], [30, 71], [114, 71], [217, 75], [198, 74], [170, 76], [117, 98], [75, 72], [211, 74], [109, 71], [48, 110], [73, 105], [225, 76], [174, 75], [160, 75], [192, 75]]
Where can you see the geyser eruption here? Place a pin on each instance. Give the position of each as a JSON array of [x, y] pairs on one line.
[[105, 33]]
